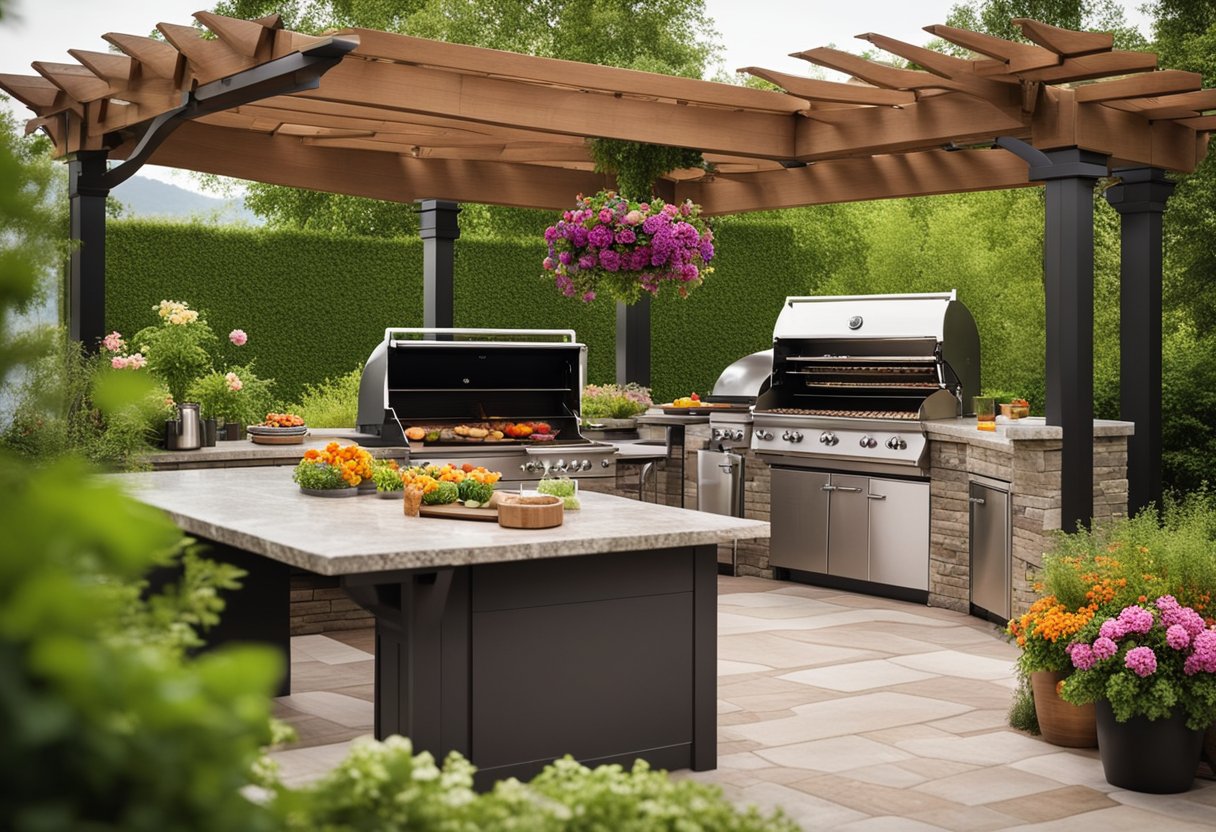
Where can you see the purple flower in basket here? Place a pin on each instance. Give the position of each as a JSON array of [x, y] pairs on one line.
[[1203, 657], [610, 260], [600, 236], [626, 236], [605, 216], [652, 224], [550, 234], [565, 258], [587, 261], [1142, 661], [579, 236]]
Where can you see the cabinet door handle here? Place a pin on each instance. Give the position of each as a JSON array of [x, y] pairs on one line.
[[979, 501], [876, 496], [828, 488], [846, 488]]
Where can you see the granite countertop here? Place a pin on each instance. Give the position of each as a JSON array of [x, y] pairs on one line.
[[244, 449], [1007, 432], [660, 418], [261, 510]]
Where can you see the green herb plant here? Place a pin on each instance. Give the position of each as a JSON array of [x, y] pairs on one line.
[[387, 477], [319, 476]]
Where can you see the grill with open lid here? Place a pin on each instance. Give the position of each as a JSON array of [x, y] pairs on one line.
[[856, 375], [462, 387]]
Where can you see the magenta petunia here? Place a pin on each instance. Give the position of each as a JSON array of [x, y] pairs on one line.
[[1104, 648], [1112, 628], [1136, 619], [1142, 661], [610, 260], [1082, 656], [1177, 637]]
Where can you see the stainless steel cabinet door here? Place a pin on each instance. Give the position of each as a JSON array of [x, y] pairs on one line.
[[799, 506], [720, 483], [849, 527], [990, 546], [899, 533]]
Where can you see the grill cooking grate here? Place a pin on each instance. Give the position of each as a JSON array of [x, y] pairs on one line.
[[850, 414]]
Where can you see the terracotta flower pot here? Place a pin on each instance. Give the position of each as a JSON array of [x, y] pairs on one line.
[[1156, 756], [1062, 723]]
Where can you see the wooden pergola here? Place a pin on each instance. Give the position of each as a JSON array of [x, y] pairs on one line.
[[397, 118]]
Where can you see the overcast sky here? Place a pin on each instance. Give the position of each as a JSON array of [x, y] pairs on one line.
[[754, 32]]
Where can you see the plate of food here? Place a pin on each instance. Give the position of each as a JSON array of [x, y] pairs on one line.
[[278, 429], [691, 406]]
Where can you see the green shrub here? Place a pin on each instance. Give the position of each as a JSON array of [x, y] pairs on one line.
[[71, 402], [235, 396], [334, 403], [384, 785]]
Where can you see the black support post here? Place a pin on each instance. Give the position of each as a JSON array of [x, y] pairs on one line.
[[633, 343], [1140, 200], [86, 301], [439, 228], [1068, 276]]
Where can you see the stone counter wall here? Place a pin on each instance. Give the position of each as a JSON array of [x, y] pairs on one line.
[[1031, 466]]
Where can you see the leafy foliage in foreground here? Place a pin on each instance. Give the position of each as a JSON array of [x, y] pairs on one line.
[[386, 786]]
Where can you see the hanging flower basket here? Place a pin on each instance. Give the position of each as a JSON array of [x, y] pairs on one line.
[[608, 245]]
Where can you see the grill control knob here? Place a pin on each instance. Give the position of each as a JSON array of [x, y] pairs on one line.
[[605, 463], [737, 435], [532, 466], [585, 465], [795, 436], [897, 443], [764, 435], [560, 465], [867, 442], [715, 434], [828, 438]]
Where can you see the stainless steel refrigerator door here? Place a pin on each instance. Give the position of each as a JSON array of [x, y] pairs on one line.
[[799, 515], [899, 533], [720, 483], [990, 549], [849, 527]]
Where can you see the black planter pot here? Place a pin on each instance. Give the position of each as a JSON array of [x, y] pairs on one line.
[[209, 431], [230, 432], [1155, 756]]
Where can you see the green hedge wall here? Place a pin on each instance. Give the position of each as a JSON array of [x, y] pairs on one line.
[[315, 305]]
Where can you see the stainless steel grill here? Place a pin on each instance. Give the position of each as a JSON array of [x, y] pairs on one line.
[[841, 426], [461, 387], [853, 378]]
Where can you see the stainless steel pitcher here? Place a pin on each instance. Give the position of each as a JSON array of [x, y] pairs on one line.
[[189, 427]]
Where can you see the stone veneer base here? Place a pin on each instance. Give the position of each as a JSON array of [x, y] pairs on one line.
[[1025, 454]]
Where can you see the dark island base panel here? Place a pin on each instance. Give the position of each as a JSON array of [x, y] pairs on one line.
[[608, 658], [900, 593], [257, 613]]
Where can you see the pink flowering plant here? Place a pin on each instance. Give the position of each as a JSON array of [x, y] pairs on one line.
[[612, 246], [1148, 660]]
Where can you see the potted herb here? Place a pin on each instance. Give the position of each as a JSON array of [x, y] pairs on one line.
[[335, 471], [1043, 633], [1151, 673], [387, 476], [614, 406]]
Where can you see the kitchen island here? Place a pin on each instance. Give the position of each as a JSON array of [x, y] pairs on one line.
[[596, 638]]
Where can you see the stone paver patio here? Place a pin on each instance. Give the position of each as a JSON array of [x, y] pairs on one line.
[[850, 712]]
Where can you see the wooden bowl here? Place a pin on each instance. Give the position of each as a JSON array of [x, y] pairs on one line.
[[541, 511]]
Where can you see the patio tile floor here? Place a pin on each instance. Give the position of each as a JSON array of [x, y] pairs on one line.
[[850, 712]]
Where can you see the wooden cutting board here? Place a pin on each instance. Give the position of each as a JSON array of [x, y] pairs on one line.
[[455, 511]]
